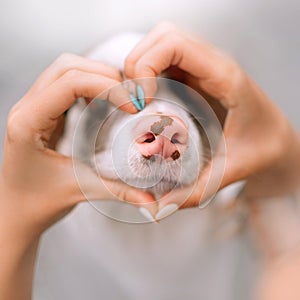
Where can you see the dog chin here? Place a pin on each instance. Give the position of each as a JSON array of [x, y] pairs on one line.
[[153, 175], [163, 187]]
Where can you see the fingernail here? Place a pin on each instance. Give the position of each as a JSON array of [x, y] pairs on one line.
[[146, 213], [141, 95], [166, 211], [206, 202], [135, 102]]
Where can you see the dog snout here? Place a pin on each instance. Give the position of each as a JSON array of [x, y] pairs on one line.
[[163, 135]]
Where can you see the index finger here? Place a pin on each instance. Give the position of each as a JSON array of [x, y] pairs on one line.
[[67, 62], [42, 109], [216, 73]]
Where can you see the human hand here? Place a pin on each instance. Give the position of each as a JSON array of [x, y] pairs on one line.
[[279, 279], [37, 184], [260, 143]]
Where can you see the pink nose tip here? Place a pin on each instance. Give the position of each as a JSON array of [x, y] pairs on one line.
[[167, 139]]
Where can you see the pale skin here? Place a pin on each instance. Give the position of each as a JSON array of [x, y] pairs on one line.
[[38, 186]]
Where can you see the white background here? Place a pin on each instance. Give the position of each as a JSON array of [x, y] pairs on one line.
[[263, 35]]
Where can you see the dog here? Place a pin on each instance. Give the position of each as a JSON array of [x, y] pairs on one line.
[[95, 256]]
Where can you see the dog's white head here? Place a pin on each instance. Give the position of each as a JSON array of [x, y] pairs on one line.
[[156, 149]]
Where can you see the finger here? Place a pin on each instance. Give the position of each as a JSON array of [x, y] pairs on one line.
[[34, 118], [174, 43], [144, 201], [211, 179], [222, 171], [238, 162], [197, 58], [166, 52], [149, 82], [88, 186], [148, 87], [97, 188], [93, 187], [77, 182], [58, 97], [144, 45], [67, 62]]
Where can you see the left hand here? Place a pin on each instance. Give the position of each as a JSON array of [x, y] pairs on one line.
[[37, 184]]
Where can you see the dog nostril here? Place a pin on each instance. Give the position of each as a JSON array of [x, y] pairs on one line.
[[149, 138], [175, 139]]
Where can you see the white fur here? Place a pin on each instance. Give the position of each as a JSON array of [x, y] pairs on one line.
[[122, 159], [116, 156], [90, 256]]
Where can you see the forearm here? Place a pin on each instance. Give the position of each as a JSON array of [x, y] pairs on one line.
[[16, 271], [280, 280], [274, 218], [18, 249]]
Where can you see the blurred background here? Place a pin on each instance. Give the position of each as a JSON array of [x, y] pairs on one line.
[[263, 36]]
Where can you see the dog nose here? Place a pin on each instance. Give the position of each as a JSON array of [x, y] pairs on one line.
[[166, 136]]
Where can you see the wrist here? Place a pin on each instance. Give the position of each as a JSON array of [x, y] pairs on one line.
[[15, 228]]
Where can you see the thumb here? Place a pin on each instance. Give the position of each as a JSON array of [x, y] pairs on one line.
[[92, 187], [225, 168], [210, 180]]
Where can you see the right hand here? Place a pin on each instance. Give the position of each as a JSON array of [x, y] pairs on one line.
[[259, 139]]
